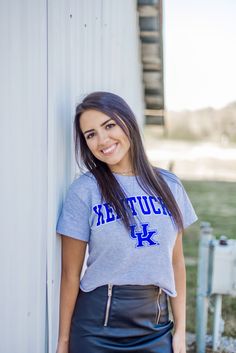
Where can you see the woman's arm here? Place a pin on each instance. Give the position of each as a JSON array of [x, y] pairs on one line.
[[178, 304], [73, 252]]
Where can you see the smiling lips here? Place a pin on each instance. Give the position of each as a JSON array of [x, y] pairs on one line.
[[109, 150]]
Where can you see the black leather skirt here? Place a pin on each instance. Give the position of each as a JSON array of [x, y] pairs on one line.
[[127, 318]]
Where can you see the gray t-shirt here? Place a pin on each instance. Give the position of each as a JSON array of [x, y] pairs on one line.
[[142, 255]]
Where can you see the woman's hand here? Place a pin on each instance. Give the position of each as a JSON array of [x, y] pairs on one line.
[[62, 347], [179, 343]]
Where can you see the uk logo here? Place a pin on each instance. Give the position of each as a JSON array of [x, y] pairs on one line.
[[144, 236]]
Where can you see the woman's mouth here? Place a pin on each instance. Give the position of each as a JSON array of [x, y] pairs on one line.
[[109, 150]]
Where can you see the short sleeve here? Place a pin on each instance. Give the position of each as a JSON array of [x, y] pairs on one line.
[[186, 207], [74, 217]]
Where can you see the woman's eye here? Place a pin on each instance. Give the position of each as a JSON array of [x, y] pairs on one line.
[[110, 126], [89, 136]]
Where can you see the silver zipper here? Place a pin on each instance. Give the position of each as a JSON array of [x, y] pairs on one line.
[[158, 312], [109, 295]]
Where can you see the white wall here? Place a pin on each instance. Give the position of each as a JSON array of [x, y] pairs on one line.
[[23, 187], [98, 49], [107, 53], [53, 53]]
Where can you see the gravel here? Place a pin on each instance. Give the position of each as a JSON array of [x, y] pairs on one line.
[[227, 344]]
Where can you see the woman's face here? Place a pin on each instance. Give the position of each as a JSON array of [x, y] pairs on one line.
[[106, 140]]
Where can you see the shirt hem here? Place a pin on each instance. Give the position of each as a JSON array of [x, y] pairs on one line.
[[169, 293], [70, 234]]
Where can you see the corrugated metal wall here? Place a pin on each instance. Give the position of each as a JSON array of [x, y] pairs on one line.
[[52, 54], [23, 176], [107, 49]]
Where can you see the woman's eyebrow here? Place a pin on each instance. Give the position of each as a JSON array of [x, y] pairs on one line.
[[101, 125]]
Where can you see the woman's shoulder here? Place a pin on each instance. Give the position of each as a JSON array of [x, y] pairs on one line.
[[83, 182], [169, 177]]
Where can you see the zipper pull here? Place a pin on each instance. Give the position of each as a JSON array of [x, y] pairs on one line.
[[109, 295], [158, 311], [109, 290]]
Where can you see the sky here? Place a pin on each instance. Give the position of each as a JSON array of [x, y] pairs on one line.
[[199, 53]]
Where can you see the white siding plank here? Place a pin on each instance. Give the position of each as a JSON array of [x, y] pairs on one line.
[[24, 182]]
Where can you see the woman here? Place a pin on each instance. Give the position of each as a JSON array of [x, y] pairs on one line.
[[132, 216]]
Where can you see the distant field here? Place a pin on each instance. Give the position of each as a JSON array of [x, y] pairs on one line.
[[214, 202]]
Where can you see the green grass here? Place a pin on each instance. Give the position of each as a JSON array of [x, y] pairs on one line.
[[214, 202]]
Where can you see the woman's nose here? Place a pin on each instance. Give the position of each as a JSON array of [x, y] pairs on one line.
[[103, 138]]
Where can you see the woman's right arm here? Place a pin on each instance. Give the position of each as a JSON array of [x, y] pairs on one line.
[[73, 252]]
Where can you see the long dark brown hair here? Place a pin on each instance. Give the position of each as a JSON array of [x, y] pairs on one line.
[[149, 177]]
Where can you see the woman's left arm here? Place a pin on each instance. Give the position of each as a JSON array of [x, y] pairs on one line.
[[178, 304]]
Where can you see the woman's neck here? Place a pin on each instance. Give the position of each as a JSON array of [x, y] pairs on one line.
[[125, 172]]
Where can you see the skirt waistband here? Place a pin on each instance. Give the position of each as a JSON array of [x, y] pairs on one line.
[[128, 289], [142, 295]]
